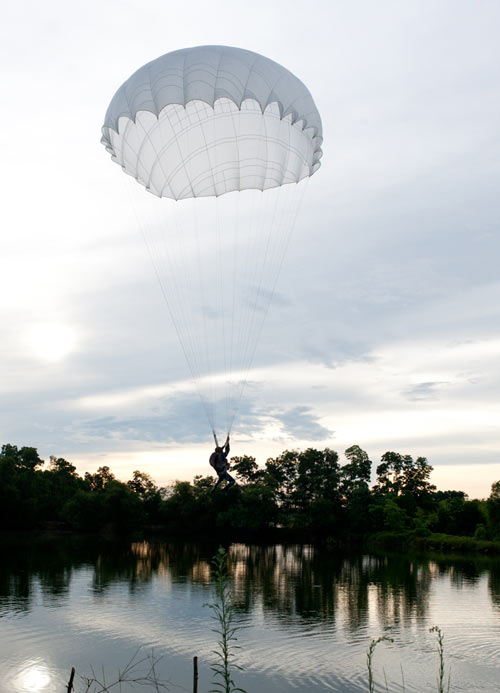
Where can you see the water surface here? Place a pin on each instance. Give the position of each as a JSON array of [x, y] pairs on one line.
[[307, 615]]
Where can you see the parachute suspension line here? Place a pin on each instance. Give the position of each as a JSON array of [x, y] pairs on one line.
[[237, 249], [260, 265], [235, 259], [290, 204], [262, 239], [164, 246], [187, 271], [221, 233], [255, 314], [251, 244], [168, 303], [180, 271], [205, 351], [294, 210], [206, 376], [259, 280], [219, 265]]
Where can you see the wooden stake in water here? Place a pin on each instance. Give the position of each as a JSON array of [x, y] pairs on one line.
[[70, 682], [195, 674]]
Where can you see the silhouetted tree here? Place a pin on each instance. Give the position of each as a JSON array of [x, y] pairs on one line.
[[246, 469], [99, 480], [24, 459], [493, 507], [356, 473]]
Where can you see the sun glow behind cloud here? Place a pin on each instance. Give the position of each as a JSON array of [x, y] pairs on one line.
[[50, 341]]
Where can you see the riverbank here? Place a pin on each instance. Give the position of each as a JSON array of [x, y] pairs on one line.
[[394, 541], [433, 542]]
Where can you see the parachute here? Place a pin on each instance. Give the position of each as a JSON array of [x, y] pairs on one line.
[[221, 137]]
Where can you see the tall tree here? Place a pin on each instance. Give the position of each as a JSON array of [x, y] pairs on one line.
[[493, 506], [24, 458], [416, 479], [142, 484], [246, 469], [318, 476], [390, 472], [99, 480], [62, 466], [356, 473]]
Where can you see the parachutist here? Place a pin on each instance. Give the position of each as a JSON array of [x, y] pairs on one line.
[[218, 460]]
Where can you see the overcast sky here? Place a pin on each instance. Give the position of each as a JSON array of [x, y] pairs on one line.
[[386, 330]]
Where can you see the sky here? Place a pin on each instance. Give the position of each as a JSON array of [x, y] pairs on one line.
[[385, 330]]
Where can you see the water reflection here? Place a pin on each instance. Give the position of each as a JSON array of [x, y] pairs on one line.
[[313, 608], [494, 587], [295, 582], [302, 582], [33, 677]]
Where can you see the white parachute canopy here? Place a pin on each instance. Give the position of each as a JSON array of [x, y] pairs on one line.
[[195, 125]]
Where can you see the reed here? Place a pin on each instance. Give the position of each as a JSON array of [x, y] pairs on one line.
[[369, 660], [440, 648], [441, 672], [223, 613]]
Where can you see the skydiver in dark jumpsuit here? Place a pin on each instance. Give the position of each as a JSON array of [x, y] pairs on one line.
[[218, 460]]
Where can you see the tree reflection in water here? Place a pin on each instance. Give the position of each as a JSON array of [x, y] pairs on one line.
[[289, 582]]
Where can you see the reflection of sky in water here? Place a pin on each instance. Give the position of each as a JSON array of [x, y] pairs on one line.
[[33, 676], [307, 618]]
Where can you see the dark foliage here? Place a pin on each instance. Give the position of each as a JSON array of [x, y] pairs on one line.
[[308, 490]]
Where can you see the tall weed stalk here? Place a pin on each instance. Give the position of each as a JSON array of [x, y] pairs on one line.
[[223, 613], [440, 648], [369, 659]]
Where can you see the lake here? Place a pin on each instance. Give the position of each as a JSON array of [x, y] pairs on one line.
[[307, 615]]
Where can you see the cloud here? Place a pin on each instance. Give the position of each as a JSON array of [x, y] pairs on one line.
[[424, 391], [333, 353], [300, 423], [260, 297], [181, 419], [175, 419]]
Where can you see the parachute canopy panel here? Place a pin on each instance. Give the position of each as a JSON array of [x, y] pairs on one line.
[[210, 120]]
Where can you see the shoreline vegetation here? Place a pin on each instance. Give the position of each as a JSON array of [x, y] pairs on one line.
[[392, 542], [434, 542], [308, 496]]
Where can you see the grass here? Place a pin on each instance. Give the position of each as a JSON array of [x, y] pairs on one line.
[[450, 542], [435, 541], [139, 672]]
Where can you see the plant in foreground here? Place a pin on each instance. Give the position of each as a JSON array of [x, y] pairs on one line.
[[223, 613], [440, 647], [369, 659], [138, 672]]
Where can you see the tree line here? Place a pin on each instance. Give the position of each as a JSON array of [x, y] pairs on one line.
[[297, 490]]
